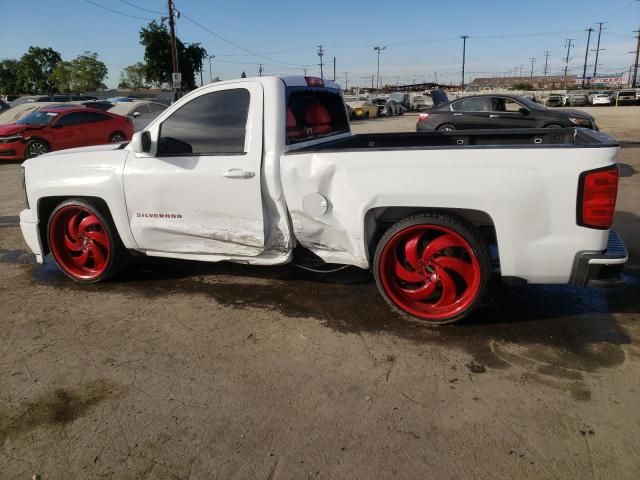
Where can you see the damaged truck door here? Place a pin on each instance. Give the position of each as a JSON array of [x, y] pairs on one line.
[[197, 189]]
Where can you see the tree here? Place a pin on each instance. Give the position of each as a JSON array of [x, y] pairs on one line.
[[35, 68], [85, 73], [156, 41], [62, 76], [133, 77], [9, 81]]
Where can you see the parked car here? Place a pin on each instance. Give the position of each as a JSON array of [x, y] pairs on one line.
[[4, 106], [362, 107], [556, 101], [120, 99], [601, 99], [15, 113], [418, 102], [402, 98], [57, 98], [577, 100], [58, 128], [626, 97], [141, 112], [243, 170], [499, 111]]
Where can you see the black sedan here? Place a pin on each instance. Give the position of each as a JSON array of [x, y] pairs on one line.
[[499, 111]]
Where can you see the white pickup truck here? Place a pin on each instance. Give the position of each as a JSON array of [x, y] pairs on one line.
[[253, 170]]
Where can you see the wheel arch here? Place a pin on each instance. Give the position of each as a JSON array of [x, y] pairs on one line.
[[46, 206], [379, 219]]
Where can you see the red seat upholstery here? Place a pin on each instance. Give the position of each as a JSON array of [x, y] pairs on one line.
[[293, 131], [318, 119]]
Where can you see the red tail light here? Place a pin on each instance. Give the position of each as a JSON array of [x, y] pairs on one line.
[[597, 192], [422, 117], [314, 82]]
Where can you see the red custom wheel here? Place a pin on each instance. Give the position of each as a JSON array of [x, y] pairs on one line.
[[79, 242], [426, 267], [84, 242]]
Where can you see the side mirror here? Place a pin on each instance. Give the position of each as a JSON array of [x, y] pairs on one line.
[[141, 142], [523, 111], [57, 125], [136, 114]]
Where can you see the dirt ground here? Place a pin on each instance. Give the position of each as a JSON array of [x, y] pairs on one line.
[[181, 370]]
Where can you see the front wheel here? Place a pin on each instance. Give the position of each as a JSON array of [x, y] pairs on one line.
[[432, 268], [36, 147], [447, 127], [84, 242]]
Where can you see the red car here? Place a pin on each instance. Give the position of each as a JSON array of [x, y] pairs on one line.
[[60, 127]]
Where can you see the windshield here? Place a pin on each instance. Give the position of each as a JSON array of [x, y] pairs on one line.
[[38, 118], [530, 104]]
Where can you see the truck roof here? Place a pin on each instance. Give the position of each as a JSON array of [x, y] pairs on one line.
[[289, 80]]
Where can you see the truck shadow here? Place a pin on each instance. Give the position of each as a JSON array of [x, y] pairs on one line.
[[551, 330]]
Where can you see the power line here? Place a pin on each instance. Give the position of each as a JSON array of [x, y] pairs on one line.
[[143, 9], [116, 11], [240, 47]]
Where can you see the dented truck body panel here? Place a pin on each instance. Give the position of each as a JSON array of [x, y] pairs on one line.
[[195, 207]]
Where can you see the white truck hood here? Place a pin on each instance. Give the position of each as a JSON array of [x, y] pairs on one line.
[[101, 156]]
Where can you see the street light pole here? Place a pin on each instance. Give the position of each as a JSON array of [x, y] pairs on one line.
[[379, 49], [210, 71], [464, 53]]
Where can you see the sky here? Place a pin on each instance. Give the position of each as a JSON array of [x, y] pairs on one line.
[[422, 38]]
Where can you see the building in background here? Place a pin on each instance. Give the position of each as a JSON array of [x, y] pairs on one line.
[[536, 82], [610, 80]]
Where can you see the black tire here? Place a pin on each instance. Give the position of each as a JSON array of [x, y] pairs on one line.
[[446, 127], [117, 137], [553, 125], [118, 258], [468, 232], [36, 147]]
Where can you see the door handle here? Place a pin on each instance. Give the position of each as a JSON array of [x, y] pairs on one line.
[[457, 114], [238, 173], [494, 116]]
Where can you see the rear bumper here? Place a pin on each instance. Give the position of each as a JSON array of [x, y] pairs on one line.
[[600, 267]]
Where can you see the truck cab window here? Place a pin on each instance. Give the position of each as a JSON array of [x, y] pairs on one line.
[[214, 123], [314, 114]]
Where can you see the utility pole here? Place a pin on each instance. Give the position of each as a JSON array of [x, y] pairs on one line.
[[379, 49], [464, 54], [321, 54], [305, 71], [334, 69], [211, 57], [546, 61], [595, 65], [533, 60], [372, 76], [174, 52], [260, 70], [346, 81], [568, 42], [586, 55], [435, 74], [635, 65]]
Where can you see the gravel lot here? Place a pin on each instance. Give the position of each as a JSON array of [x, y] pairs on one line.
[[183, 370]]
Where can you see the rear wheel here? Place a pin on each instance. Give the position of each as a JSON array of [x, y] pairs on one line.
[[84, 242], [447, 127], [117, 137], [432, 268], [36, 147]]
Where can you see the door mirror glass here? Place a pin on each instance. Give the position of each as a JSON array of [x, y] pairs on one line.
[[523, 111]]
